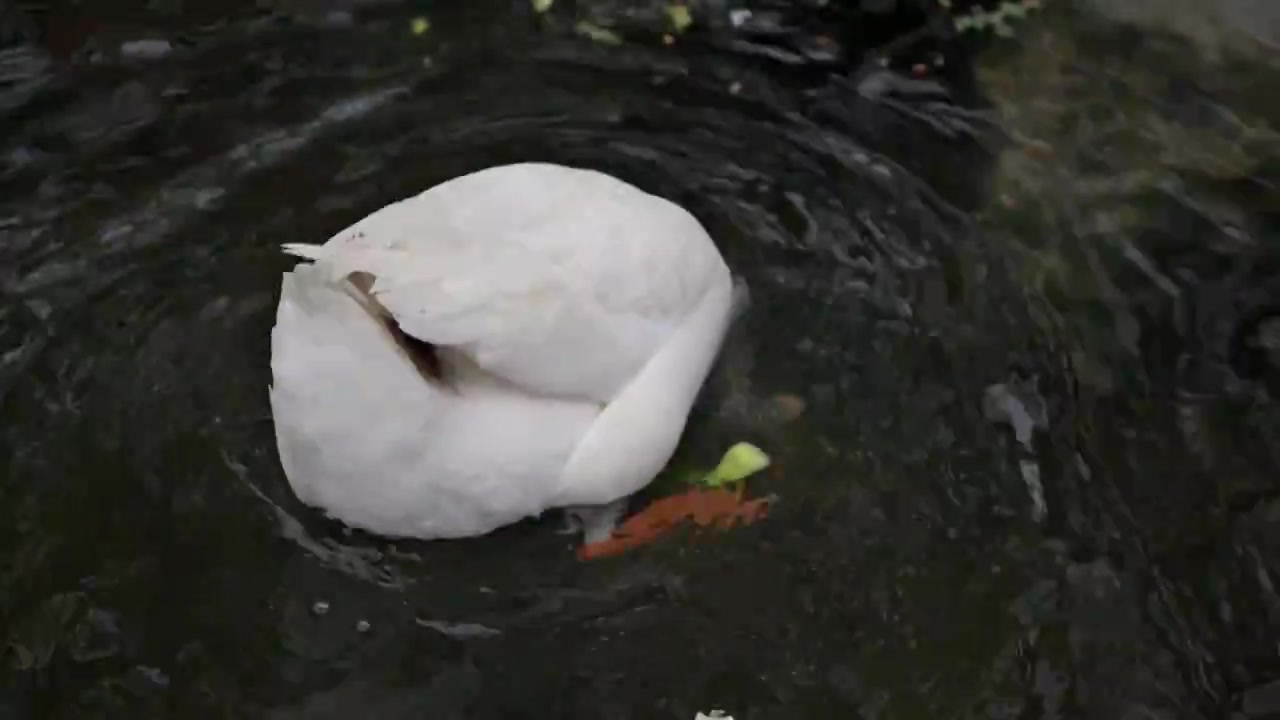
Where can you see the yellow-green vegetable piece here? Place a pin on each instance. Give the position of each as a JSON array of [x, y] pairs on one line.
[[739, 462], [680, 17]]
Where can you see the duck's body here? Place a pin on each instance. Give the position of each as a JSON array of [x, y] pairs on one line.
[[522, 338]]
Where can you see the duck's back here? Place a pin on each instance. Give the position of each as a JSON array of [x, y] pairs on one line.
[[564, 281]]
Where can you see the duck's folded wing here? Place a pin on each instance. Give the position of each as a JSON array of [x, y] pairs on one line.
[[511, 311], [562, 281]]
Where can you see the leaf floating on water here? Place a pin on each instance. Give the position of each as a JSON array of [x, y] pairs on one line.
[[596, 33], [717, 508], [419, 25], [680, 17], [739, 462], [541, 6]]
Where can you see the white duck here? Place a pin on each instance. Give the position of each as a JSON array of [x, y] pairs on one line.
[[522, 338]]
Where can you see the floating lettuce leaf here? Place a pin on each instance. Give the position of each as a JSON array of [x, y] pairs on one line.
[[680, 17], [739, 462]]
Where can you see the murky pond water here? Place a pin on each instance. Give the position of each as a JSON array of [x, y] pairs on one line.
[[1034, 327]]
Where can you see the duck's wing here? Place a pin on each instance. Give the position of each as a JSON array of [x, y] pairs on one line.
[[561, 281]]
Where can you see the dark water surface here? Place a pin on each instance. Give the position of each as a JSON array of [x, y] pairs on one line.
[[1037, 345]]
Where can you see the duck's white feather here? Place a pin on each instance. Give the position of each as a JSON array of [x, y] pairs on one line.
[[361, 434], [578, 317], [513, 265]]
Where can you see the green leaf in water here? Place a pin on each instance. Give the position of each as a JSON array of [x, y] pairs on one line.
[[680, 17], [541, 6], [739, 462]]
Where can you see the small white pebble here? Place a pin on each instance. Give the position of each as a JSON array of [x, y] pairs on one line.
[[320, 607], [362, 626]]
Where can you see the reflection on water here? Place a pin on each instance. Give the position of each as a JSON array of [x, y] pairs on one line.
[[1035, 348]]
